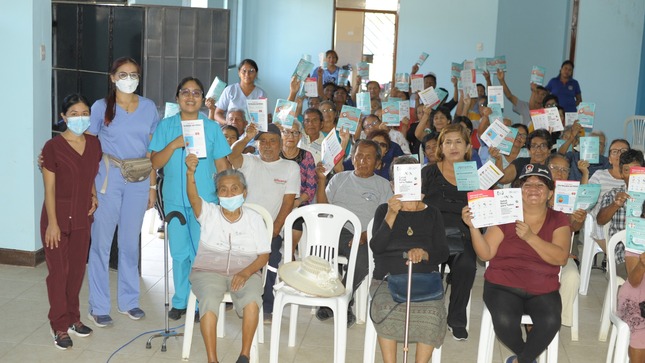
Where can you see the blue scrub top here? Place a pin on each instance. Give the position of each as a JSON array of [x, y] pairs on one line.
[[174, 185]]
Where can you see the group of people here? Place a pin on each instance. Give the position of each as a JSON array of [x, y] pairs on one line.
[[224, 245]]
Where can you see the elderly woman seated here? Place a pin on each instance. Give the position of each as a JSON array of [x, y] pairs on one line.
[[525, 259], [233, 248]]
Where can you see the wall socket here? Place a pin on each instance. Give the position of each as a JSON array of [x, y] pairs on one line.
[[480, 46], [43, 52]]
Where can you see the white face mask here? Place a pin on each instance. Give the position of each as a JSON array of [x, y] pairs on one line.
[[127, 85]]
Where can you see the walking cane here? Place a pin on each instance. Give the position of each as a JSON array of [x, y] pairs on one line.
[[407, 311], [167, 333]]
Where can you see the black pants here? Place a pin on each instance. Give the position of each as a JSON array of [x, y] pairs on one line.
[[463, 267], [507, 305]]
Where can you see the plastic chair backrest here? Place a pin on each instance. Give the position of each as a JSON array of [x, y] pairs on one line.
[[324, 225], [637, 139], [268, 222], [370, 254], [611, 268]]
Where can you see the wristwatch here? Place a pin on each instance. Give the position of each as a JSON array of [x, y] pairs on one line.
[[153, 187]]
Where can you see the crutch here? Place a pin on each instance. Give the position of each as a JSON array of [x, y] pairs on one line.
[[167, 333]]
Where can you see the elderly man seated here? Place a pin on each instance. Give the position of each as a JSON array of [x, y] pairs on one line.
[[360, 191], [233, 248]]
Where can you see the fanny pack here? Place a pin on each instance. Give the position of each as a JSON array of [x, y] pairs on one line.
[[133, 170]]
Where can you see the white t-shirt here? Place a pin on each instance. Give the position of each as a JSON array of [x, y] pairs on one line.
[[228, 248], [233, 97], [269, 182], [360, 196]]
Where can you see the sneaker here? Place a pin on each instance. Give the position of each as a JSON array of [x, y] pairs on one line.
[[134, 313], [175, 314], [62, 340], [242, 359], [100, 320], [324, 313], [80, 329], [268, 318], [459, 333], [351, 318]]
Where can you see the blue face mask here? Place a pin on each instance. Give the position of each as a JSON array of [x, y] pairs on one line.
[[231, 203], [78, 124]]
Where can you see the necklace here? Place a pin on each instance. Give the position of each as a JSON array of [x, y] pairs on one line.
[[228, 220], [410, 231]]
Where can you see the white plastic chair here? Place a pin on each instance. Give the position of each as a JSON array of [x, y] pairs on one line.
[[619, 340], [189, 323], [605, 321], [487, 340], [369, 348], [324, 224], [589, 249], [637, 126]]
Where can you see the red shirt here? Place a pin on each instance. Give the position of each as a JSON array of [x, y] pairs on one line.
[[75, 175], [516, 264]]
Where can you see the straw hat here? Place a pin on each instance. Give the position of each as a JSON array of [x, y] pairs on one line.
[[313, 275]]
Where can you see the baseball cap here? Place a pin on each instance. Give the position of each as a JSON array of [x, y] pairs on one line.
[[535, 170], [271, 129]]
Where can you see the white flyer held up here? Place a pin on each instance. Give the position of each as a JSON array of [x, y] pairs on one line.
[[495, 207], [331, 152], [194, 137], [407, 181], [257, 112]]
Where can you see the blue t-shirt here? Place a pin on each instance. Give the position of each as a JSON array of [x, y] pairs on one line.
[[328, 76], [566, 92], [174, 185]]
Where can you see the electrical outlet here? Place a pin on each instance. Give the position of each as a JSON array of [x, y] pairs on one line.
[[480, 46], [43, 52]]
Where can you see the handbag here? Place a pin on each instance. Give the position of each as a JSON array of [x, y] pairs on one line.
[[133, 170], [454, 240], [424, 287]]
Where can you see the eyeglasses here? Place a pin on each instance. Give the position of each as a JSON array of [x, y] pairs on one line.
[[538, 186], [552, 105], [311, 120], [539, 146], [247, 71], [559, 169], [522, 136], [617, 151], [185, 92], [124, 75], [291, 133], [370, 125], [327, 110]]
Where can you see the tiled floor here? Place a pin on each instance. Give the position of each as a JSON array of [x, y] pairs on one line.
[[24, 336]]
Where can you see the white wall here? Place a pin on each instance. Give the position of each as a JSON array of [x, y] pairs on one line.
[[277, 33], [447, 30], [536, 37], [608, 59], [27, 101]]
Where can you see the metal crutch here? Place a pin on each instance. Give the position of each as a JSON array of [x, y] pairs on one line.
[[167, 333]]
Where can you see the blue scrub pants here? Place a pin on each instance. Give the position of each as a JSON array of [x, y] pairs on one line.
[[124, 204], [184, 241]]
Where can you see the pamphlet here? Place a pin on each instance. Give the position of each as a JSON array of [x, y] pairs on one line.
[[404, 110], [303, 69], [496, 113], [496, 95], [171, 109], [468, 64], [402, 81], [570, 118], [441, 95], [390, 114], [636, 179], [363, 69], [565, 195], [343, 76], [540, 119], [257, 111], [416, 82], [489, 174], [349, 118], [216, 89], [586, 114], [480, 64], [285, 113], [311, 87], [194, 137], [555, 122], [331, 152], [590, 149], [455, 70], [634, 205], [496, 133], [429, 97], [407, 181], [466, 175], [506, 145], [495, 63], [537, 75], [587, 197], [495, 207], [468, 83], [363, 102], [422, 58], [635, 234]]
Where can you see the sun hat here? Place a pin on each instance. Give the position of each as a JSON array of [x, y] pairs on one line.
[[313, 275]]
